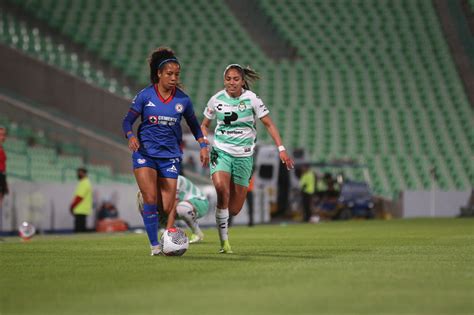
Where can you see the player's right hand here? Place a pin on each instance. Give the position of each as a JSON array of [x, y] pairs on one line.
[[133, 144]]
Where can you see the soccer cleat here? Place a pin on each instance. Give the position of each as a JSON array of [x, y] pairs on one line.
[[225, 248], [196, 238], [160, 233], [156, 250]]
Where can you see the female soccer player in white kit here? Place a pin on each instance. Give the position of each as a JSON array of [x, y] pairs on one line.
[[236, 109]]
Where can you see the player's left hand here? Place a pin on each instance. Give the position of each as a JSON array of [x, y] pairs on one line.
[[285, 159], [204, 156]]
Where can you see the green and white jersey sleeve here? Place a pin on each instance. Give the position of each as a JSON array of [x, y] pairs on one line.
[[186, 190], [236, 131]]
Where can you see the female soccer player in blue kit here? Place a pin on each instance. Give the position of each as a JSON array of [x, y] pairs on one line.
[[156, 147]]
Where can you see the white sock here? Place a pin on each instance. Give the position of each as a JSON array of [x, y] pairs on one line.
[[222, 221]]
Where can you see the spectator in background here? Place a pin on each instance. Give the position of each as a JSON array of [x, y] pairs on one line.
[[81, 205], [108, 219], [107, 211], [332, 186], [308, 187], [3, 168]]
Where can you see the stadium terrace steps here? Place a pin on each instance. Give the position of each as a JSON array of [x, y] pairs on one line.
[[48, 161], [389, 79], [259, 27], [21, 35]]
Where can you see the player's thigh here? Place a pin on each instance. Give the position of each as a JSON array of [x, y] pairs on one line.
[[168, 192], [238, 193], [221, 181], [146, 180], [220, 169]]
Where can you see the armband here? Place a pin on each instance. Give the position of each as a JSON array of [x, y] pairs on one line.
[[281, 148], [203, 145]]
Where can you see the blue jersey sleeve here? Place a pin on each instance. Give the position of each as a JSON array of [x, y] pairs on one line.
[[133, 113], [192, 121], [138, 102]]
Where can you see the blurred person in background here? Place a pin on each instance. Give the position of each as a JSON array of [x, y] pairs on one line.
[[107, 211], [332, 186], [191, 204], [81, 205], [236, 109], [156, 149], [308, 188], [3, 169]]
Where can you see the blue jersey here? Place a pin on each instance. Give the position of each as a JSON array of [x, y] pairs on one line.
[[160, 133]]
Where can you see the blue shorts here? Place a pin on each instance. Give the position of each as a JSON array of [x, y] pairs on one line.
[[165, 167]]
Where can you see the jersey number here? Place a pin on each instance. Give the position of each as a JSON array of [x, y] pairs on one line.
[[229, 117]]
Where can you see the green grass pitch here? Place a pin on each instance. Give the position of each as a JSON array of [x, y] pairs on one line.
[[421, 266]]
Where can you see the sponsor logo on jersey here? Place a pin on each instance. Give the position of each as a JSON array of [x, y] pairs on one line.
[[229, 117], [179, 108], [141, 161], [242, 106], [247, 149], [150, 104], [163, 120], [219, 107], [232, 132], [153, 119], [172, 169]]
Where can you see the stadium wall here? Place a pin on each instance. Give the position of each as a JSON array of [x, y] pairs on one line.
[[434, 203], [100, 149], [46, 205]]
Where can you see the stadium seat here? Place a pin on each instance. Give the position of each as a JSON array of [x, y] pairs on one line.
[[384, 92]]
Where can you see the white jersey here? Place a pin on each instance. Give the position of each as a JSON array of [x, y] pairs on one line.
[[186, 190], [236, 131]]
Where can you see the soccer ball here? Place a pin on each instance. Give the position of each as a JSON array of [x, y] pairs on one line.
[[174, 242], [26, 230]]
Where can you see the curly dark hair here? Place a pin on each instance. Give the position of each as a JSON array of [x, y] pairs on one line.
[[157, 59]]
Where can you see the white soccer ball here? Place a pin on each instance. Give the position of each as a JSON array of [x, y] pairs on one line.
[[26, 230], [174, 242]]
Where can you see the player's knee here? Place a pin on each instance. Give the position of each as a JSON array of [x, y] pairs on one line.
[[149, 198], [234, 211], [222, 193], [185, 210]]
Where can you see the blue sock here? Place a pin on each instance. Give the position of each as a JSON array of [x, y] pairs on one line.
[[150, 218]]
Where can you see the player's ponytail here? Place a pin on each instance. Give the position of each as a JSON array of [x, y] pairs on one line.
[[250, 76], [158, 58], [247, 73]]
